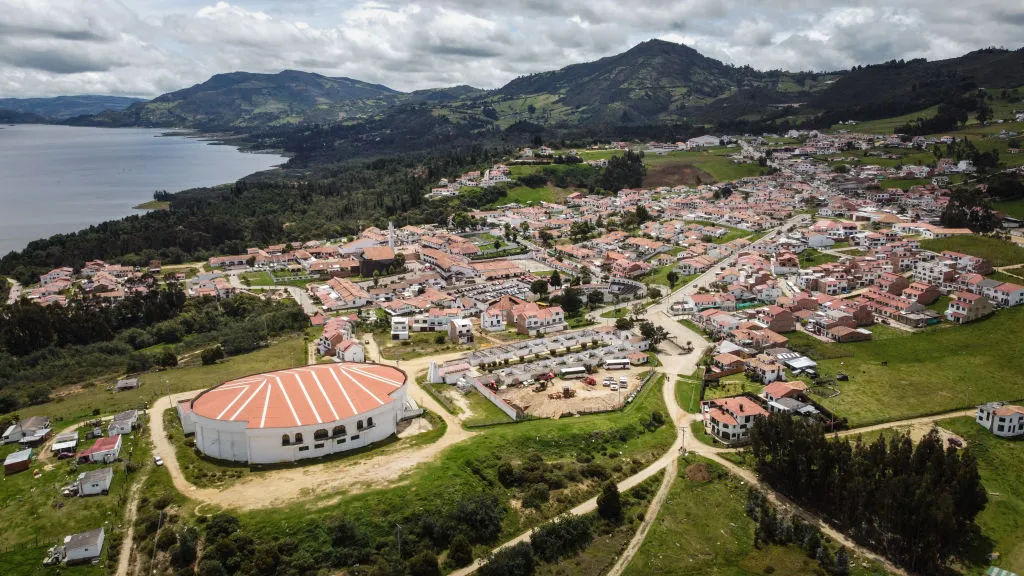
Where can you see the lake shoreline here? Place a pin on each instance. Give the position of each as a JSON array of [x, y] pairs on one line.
[[58, 179]]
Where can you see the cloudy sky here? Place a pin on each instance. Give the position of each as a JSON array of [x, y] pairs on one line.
[[148, 47]]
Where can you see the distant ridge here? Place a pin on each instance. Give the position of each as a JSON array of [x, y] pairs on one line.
[[653, 83]]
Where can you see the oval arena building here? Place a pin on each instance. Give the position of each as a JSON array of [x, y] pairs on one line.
[[299, 413]]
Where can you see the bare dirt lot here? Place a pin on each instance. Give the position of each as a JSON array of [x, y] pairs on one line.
[[596, 398], [672, 174]]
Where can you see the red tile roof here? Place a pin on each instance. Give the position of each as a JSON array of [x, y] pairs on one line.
[[301, 396]]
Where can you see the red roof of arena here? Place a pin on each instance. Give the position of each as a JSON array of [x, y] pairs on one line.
[[301, 396]]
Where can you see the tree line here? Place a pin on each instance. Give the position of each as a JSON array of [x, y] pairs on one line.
[[915, 504], [43, 348]]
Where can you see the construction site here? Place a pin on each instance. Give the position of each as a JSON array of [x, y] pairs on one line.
[[552, 396]]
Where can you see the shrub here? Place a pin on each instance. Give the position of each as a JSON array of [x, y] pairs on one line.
[[460, 553], [562, 538], [515, 560], [536, 496], [609, 503], [424, 564]]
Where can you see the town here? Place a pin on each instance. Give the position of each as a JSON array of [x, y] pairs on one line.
[[752, 296]]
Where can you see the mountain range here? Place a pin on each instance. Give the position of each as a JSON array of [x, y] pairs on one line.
[[63, 107], [655, 82]]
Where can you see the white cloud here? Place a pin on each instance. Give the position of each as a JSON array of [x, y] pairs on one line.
[[147, 47]]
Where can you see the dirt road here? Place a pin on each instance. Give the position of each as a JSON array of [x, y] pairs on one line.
[[649, 517], [275, 488], [131, 509]]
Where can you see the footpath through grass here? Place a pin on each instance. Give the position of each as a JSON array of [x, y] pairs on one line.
[[610, 540], [702, 530], [930, 372]]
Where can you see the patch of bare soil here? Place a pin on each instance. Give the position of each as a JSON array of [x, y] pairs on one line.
[[698, 472], [671, 174]]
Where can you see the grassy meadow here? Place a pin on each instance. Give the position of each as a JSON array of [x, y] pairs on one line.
[[999, 252], [702, 529], [934, 371]]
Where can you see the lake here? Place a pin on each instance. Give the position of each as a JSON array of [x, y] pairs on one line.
[[58, 179]]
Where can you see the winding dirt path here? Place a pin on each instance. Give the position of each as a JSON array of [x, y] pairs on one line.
[[130, 511]]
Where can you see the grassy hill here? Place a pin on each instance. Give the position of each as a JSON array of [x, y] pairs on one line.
[[245, 100]]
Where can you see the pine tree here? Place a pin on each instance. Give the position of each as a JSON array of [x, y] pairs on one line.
[[609, 503]]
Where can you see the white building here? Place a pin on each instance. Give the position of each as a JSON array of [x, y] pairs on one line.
[[350, 351], [84, 546], [492, 320], [1003, 420], [123, 423], [300, 413], [460, 331], [399, 328], [448, 373], [95, 482], [105, 450]]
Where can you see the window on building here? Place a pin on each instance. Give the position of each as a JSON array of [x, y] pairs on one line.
[[320, 434], [356, 437], [285, 440], [318, 445], [359, 425], [303, 448], [340, 441], [369, 422], [298, 438], [338, 431]]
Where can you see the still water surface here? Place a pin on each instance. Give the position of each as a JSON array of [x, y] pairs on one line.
[[58, 179]]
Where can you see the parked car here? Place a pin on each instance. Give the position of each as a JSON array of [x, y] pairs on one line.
[[65, 454], [615, 387], [158, 460], [955, 442]]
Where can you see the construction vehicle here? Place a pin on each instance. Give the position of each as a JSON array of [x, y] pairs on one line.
[[589, 381], [568, 392]]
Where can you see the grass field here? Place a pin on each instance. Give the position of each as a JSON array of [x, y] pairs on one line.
[[812, 257], [1014, 208], [660, 276], [1001, 464], [999, 252], [34, 523], [702, 530], [527, 195], [670, 169], [930, 372], [484, 411], [153, 205], [688, 393], [886, 125], [616, 313], [285, 352], [1005, 277], [733, 233], [419, 344]]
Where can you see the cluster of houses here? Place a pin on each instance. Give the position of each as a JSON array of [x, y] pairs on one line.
[[497, 174], [97, 281]]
